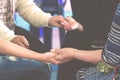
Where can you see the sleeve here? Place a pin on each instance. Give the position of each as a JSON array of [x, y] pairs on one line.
[[111, 51], [6, 33], [111, 54], [32, 13]]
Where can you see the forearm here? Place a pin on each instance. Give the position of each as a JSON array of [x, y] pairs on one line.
[[15, 50], [33, 14], [92, 56]]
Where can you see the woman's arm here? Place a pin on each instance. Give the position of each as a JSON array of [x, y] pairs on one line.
[[33, 14], [67, 54], [9, 48]]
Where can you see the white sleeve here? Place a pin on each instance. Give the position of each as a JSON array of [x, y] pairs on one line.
[[32, 13], [6, 33]]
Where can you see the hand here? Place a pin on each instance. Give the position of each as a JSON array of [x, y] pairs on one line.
[[50, 58], [20, 40], [74, 25], [58, 21], [64, 54], [67, 23]]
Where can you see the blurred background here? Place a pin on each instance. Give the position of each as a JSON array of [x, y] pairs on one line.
[[51, 37]]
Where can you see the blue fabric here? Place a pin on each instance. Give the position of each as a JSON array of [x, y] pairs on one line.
[[92, 73], [111, 52], [23, 69]]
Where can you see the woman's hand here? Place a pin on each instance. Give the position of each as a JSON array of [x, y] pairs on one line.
[[20, 40]]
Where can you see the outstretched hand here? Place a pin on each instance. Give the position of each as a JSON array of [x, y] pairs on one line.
[[58, 21], [67, 23], [59, 56], [73, 24]]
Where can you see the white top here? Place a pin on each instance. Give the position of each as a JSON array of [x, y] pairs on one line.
[[27, 9]]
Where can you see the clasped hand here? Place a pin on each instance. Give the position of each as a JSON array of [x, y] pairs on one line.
[[68, 23], [58, 56]]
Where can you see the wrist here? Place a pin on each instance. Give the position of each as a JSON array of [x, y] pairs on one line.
[[39, 57], [49, 21], [75, 54]]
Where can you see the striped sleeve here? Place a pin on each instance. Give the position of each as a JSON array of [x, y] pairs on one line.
[[111, 51]]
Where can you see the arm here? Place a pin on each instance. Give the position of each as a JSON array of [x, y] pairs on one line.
[[111, 51], [93, 56], [67, 54], [7, 34], [33, 14], [36, 17], [9, 48]]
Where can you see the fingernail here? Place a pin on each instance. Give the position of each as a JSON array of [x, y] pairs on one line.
[[52, 50], [62, 23]]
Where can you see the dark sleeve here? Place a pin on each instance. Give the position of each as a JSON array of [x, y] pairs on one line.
[[111, 51]]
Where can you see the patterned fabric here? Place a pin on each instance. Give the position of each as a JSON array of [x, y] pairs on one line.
[[7, 9], [111, 52], [111, 55], [91, 73]]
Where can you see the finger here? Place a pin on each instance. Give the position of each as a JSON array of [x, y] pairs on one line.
[[69, 22], [56, 51], [52, 50], [74, 24], [58, 58], [62, 22], [21, 44], [56, 61], [67, 19], [80, 27], [24, 41]]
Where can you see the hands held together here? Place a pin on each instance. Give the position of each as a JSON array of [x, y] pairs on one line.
[[58, 56], [67, 23]]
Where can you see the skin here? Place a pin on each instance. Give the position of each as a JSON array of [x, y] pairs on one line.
[[20, 40], [15, 50], [73, 24], [67, 54], [9, 48], [59, 21]]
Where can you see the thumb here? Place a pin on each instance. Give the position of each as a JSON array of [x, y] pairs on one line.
[[52, 50]]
